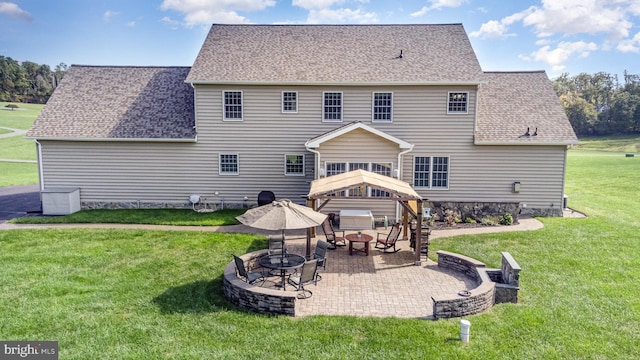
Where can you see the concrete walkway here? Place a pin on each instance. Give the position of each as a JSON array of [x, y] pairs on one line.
[[14, 132]]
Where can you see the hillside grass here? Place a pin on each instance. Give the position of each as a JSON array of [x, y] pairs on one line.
[[157, 294], [626, 143], [17, 147], [21, 118]]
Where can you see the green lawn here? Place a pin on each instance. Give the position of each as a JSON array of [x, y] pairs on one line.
[[19, 119], [626, 143], [151, 294], [186, 217], [17, 147]]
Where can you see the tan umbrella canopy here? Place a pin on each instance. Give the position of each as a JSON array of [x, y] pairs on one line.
[[282, 215]]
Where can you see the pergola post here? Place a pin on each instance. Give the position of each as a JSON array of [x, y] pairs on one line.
[[405, 221], [418, 248], [311, 232]]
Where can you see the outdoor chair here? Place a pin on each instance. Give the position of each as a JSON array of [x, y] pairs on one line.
[[276, 245], [321, 255], [306, 276], [249, 277], [388, 241], [331, 236]]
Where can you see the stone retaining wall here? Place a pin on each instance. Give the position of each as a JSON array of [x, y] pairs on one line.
[[254, 297], [478, 300]]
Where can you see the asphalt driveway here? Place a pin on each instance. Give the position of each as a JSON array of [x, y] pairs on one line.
[[19, 201]]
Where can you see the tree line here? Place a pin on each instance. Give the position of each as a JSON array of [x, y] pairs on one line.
[[600, 104], [28, 82]]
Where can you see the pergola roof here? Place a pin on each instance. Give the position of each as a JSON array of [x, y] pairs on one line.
[[328, 186]]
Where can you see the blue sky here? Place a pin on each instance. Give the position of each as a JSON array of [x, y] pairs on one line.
[[558, 36]]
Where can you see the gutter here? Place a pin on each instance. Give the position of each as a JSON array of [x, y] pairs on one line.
[[336, 83], [316, 171], [400, 154], [110, 139], [40, 171], [528, 143]]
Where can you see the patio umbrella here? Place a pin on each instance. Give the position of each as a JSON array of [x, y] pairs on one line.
[[282, 215]]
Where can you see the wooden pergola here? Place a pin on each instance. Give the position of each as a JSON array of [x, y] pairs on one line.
[[325, 189]]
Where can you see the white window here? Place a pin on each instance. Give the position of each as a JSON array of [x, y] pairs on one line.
[[332, 106], [378, 168], [458, 102], [228, 164], [359, 191], [431, 172], [289, 101], [294, 165], [382, 169], [382, 107], [232, 101], [335, 169]]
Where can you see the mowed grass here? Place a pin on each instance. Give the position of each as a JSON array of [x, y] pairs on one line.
[[177, 217], [14, 173], [157, 294], [17, 147], [21, 118], [625, 143]]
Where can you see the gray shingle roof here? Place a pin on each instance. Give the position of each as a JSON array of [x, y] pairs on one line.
[[103, 102], [511, 102], [336, 54]]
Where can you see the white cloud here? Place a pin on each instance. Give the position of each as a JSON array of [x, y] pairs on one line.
[[630, 45], [215, 11], [321, 12], [108, 15], [14, 11], [316, 4], [558, 56], [438, 4], [491, 30], [610, 20], [131, 24], [581, 17], [174, 24], [341, 16], [421, 12]]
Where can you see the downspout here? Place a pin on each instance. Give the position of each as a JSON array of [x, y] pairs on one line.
[[316, 171], [40, 172], [400, 154]]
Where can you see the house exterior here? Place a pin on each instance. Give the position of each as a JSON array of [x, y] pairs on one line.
[[273, 107]]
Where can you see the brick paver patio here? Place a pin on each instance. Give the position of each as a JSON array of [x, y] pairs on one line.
[[375, 285]]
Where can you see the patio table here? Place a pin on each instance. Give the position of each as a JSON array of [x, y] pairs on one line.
[[363, 238], [282, 262]]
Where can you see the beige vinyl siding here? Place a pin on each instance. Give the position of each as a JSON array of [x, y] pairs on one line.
[[126, 171], [487, 173], [149, 171]]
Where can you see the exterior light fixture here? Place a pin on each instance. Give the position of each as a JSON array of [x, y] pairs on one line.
[[516, 187]]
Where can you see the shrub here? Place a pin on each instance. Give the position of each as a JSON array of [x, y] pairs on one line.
[[12, 106], [449, 217], [491, 220], [470, 220], [506, 219]]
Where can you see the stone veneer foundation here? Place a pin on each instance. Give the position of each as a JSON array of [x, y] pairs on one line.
[[463, 210]]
